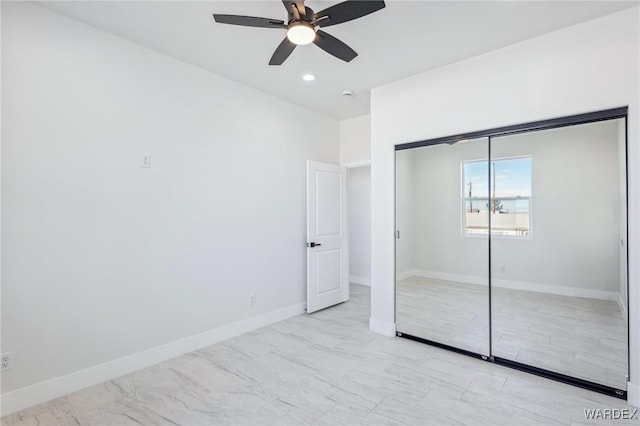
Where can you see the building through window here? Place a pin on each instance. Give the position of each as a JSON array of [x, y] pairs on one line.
[[501, 195]]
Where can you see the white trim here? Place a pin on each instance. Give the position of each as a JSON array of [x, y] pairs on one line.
[[445, 276], [385, 328], [633, 394], [354, 164], [406, 274], [623, 308], [517, 285], [558, 290], [38, 393], [355, 279]]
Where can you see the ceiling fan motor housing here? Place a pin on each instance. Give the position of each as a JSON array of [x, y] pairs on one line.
[[308, 15]]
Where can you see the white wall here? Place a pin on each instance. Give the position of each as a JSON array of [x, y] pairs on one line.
[[103, 259], [575, 212], [355, 147], [573, 246], [359, 208], [438, 243], [355, 141], [587, 67]]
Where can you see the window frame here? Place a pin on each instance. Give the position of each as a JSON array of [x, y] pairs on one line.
[[463, 207]]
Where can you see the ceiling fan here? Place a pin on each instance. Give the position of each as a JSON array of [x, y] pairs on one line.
[[303, 26]]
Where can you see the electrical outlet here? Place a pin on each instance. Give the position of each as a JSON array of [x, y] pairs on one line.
[[6, 361], [146, 161], [252, 299]]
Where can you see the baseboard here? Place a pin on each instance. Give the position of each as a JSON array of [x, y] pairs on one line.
[[517, 285], [406, 274], [353, 164], [385, 328], [445, 276], [633, 394], [611, 296], [623, 308], [355, 279], [38, 393]]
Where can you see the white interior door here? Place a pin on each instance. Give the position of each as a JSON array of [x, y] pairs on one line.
[[327, 236]]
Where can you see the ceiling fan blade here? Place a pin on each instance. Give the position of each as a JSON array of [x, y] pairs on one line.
[[334, 47], [302, 10], [295, 12], [295, 8], [347, 11], [249, 21], [282, 52], [288, 5]]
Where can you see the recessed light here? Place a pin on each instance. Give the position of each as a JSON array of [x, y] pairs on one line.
[[308, 77]]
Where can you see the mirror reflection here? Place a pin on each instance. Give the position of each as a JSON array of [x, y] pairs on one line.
[[559, 291], [529, 227], [442, 270]]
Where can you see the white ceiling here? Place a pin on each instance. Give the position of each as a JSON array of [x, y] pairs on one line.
[[405, 38]]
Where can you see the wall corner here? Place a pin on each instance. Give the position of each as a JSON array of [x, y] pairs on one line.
[[633, 394], [386, 328]]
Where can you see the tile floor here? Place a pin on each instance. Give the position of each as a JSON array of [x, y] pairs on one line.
[[579, 337], [322, 369]]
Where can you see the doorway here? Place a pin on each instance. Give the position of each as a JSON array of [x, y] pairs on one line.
[[359, 213]]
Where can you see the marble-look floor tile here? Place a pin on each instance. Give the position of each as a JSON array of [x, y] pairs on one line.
[[580, 337], [324, 369], [55, 412], [122, 412]]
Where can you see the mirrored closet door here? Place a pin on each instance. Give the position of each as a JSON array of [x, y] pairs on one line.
[[442, 287], [558, 252], [511, 245]]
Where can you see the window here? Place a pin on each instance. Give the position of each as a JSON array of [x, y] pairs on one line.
[[505, 194]]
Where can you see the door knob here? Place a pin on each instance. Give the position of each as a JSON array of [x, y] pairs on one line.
[[312, 244]]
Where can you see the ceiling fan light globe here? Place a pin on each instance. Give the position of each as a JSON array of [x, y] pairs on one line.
[[301, 34]]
